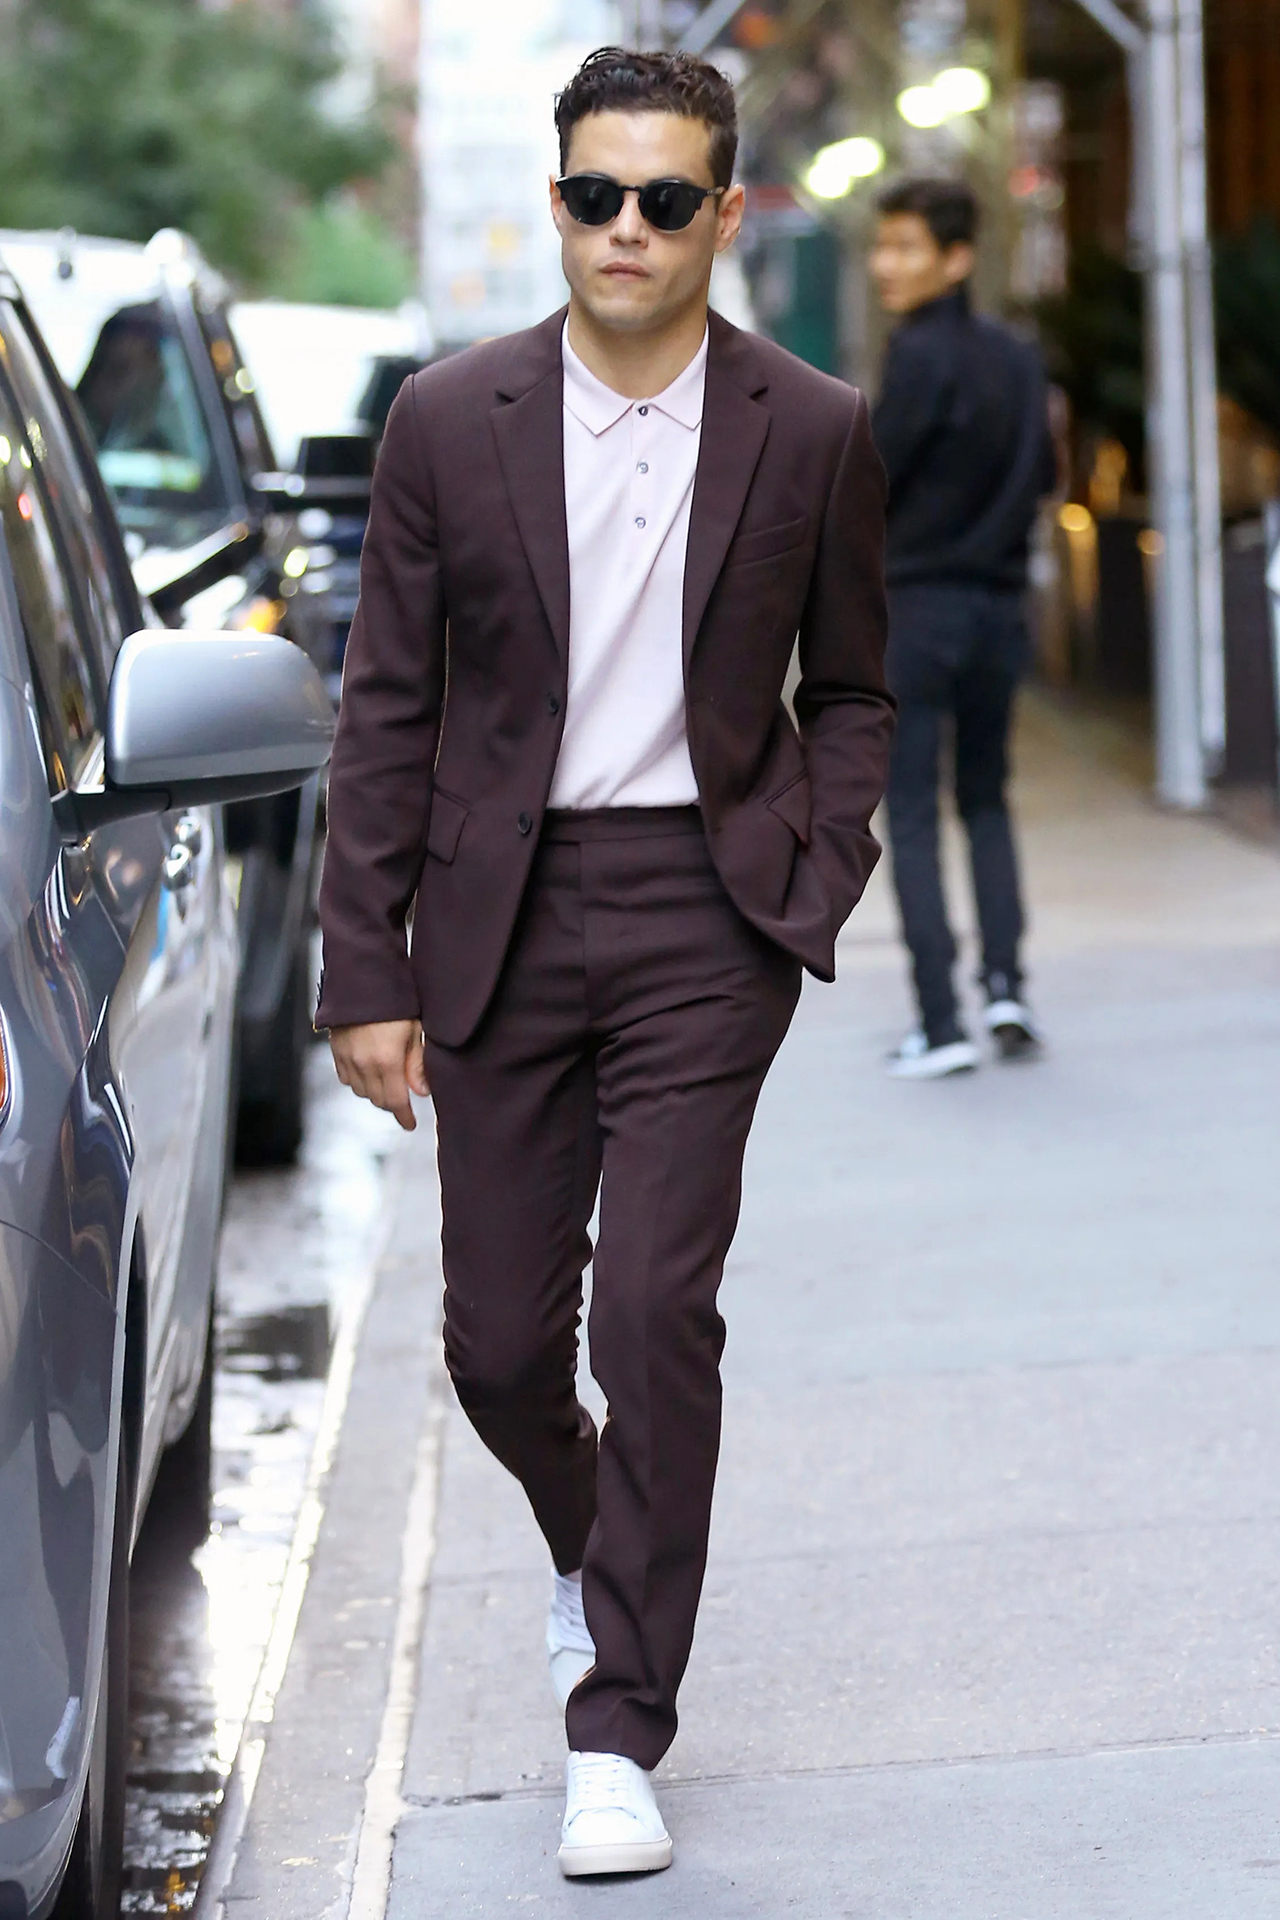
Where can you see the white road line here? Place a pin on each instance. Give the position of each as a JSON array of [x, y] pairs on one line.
[[383, 1805]]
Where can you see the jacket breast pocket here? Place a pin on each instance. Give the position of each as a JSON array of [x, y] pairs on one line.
[[768, 543], [448, 817]]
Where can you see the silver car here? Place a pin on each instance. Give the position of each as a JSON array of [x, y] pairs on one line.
[[118, 960], [216, 538]]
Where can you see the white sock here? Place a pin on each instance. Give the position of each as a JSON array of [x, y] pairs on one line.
[[566, 1605]]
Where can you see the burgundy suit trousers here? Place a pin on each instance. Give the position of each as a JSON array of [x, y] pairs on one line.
[[624, 1051]]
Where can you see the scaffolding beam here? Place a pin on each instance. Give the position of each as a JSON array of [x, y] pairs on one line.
[[1165, 63]]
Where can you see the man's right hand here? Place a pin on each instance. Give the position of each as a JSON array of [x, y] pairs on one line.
[[382, 1062]]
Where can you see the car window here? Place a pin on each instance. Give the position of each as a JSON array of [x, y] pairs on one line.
[[75, 502], [236, 381], [142, 401], [70, 722], [388, 375]]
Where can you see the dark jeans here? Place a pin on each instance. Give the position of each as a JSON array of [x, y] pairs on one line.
[[955, 657], [633, 1026]]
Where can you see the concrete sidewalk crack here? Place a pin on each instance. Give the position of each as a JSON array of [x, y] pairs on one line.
[[671, 1783]]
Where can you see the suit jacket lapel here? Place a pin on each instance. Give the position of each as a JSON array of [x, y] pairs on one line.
[[529, 431], [734, 429]]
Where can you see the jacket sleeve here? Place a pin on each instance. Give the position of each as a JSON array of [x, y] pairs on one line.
[[911, 403], [843, 706], [1048, 480], [380, 779]]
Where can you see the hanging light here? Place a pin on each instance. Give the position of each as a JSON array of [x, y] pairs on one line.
[[954, 91], [833, 169], [962, 90], [921, 107]]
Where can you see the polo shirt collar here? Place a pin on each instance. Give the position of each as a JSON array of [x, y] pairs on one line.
[[598, 407]]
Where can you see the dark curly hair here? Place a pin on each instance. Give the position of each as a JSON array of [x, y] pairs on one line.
[[614, 80]]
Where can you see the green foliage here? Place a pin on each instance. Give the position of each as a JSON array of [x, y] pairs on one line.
[[344, 255], [122, 116], [1093, 341], [1247, 295], [1093, 337]]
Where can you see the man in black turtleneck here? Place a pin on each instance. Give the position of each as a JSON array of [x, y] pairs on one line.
[[962, 428]]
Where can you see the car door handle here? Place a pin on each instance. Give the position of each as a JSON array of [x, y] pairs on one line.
[[179, 868]]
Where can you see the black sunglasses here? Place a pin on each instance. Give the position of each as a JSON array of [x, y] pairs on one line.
[[593, 200]]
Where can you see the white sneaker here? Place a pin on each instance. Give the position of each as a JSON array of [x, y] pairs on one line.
[[570, 1649], [611, 1819], [915, 1059], [1012, 1028]]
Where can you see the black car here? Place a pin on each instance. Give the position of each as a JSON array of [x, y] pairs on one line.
[[141, 334], [336, 469]]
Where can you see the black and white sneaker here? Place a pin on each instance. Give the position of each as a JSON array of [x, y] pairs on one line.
[[1012, 1028], [915, 1059]]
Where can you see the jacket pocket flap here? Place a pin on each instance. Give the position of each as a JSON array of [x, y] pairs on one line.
[[794, 805], [448, 817], [767, 543]]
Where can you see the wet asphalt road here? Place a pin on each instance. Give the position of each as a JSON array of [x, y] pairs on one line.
[[295, 1247]]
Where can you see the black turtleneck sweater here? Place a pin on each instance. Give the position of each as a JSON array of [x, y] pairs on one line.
[[962, 427]]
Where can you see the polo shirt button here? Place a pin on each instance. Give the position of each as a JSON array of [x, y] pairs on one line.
[[640, 520], [642, 411], [553, 703], [525, 823]]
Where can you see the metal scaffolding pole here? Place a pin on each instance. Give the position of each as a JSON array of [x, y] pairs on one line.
[[1170, 434], [1197, 266], [1165, 59], [711, 22], [645, 23]]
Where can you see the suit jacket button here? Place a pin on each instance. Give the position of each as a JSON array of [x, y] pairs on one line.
[[553, 703], [525, 823]]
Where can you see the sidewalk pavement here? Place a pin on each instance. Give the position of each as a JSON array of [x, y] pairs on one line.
[[992, 1614]]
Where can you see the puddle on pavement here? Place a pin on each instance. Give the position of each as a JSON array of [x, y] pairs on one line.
[[291, 1345], [294, 1245]]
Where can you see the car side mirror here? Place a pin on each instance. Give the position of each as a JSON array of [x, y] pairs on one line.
[[195, 719], [170, 579], [335, 456], [334, 470], [280, 492]]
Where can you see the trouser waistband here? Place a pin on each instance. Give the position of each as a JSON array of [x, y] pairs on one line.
[[571, 825]]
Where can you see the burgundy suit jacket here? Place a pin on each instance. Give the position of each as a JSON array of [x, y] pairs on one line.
[[454, 690]]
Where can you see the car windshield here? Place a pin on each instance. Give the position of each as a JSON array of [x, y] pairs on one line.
[[140, 397]]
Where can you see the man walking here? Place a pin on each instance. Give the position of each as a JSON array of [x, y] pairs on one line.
[[562, 742], [962, 427]]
